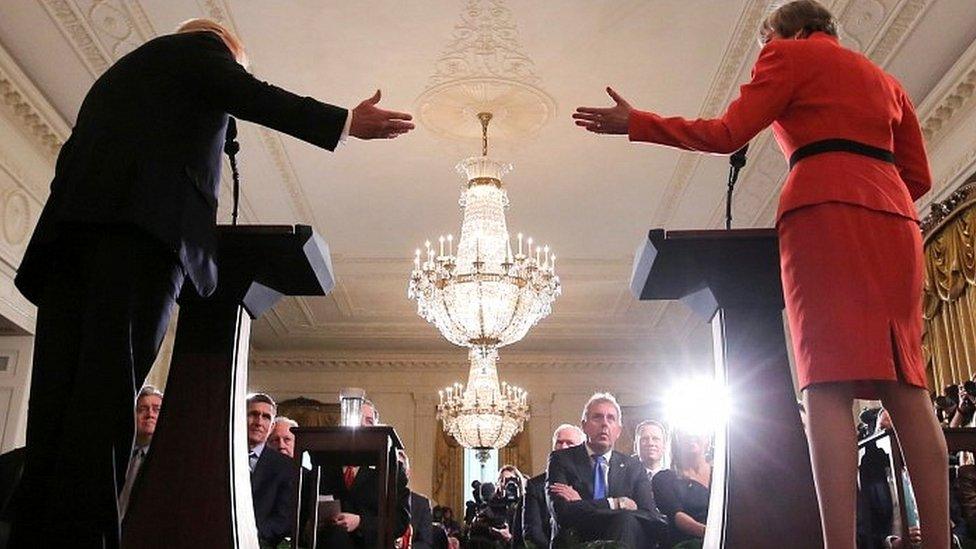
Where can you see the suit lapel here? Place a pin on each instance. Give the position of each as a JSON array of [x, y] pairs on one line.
[[615, 472], [259, 473], [584, 466]]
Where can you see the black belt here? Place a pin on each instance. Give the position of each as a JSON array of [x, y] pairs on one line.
[[841, 145]]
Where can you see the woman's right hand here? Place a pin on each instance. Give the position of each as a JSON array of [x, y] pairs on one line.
[[611, 120]]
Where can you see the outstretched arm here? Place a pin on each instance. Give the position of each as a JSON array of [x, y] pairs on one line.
[[759, 103]]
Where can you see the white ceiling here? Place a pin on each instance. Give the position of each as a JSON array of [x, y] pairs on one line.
[[592, 199]]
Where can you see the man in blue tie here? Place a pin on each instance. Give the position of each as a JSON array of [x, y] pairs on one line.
[[598, 493]]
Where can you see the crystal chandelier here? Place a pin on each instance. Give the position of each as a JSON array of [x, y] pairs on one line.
[[486, 296], [481, 415]]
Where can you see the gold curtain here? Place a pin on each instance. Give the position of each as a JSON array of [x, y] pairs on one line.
[[949, 306], [309, 412], [448, 486], [518, 452]]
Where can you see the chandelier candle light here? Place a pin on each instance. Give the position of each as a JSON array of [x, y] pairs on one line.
[[484, 297]]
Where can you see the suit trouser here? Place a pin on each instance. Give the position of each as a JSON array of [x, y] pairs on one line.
[[100, 321]]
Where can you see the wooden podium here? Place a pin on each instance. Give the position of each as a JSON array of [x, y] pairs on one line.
[[340, 446], [194, 488], [762, 486]]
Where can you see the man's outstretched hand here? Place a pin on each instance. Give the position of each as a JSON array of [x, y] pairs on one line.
[[372, 122], [612, 120]]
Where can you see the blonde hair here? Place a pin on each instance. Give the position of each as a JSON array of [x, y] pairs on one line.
[[234, 43], [800, 16]]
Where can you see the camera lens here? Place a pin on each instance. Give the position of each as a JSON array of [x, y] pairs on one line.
[[970, 387]]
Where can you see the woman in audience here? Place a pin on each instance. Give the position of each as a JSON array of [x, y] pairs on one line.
[[850, 248], [682, 492]]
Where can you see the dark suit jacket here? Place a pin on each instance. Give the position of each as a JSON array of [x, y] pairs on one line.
[[626, 478], [146, 150], [421, 518], [272, 488], [361, 500], [535, 513]]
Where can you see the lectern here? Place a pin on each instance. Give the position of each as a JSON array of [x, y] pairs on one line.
[[194, 488], [339, 446], [762, 492]]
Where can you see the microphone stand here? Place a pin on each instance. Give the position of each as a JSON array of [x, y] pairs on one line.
[[737, 161], [232, 147]]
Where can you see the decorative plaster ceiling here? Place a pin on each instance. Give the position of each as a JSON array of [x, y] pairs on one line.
[[593, 198]]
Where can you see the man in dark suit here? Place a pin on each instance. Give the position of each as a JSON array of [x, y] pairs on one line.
[[132, 211], [421, 522], [421, 534], [597, 492], [272, 474], [536, 529], [356, 489]]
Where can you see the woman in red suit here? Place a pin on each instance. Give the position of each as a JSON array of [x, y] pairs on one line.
[[851, 252]]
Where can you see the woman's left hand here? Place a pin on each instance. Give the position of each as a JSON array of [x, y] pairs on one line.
[[611, 120]]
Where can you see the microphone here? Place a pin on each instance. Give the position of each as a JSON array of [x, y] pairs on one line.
[[232, 147], [738, 158], [737, 161]]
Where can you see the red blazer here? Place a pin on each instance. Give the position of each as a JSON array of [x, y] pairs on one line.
[[810, 90]]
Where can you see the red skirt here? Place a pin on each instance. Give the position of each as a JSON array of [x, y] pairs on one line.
[[852, 279]]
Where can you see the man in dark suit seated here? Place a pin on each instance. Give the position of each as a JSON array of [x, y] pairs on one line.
[[597, 493], [272, 474], [356, 489], [536, 529], [421, 532], [132, 211]]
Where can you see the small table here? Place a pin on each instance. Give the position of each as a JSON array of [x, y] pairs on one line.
[[338, 446]]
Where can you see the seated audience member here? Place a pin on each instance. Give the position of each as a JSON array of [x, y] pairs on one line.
[[420, 534], [964, 491], [536, 530], [875, 505], [452, 526], [356, 489], [148, 403], [596, 493], [370, 415], [272, 474], [510, 490], [682, 491], [281, 437], [650, 443]]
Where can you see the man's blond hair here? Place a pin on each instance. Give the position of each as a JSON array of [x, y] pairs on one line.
[[234, 43]]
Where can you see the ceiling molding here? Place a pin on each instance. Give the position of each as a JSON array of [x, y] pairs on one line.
[[887, 44], [455, 363], [719, 94], [271, 140], [417, 329], [29, 109], [80, 36], [951, 96], [220, 11]]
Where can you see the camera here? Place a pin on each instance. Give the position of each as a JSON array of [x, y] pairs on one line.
[[491, 510], [511, 491]]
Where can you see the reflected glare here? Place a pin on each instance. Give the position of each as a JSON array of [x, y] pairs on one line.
[[697, 405]]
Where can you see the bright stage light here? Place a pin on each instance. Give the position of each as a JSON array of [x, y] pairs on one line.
[[697, 406]]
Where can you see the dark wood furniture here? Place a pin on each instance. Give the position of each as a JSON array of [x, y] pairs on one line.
[[340, 446], [762, 485]]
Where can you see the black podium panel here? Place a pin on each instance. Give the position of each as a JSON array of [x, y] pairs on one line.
[[197, 493], [762, 486]]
